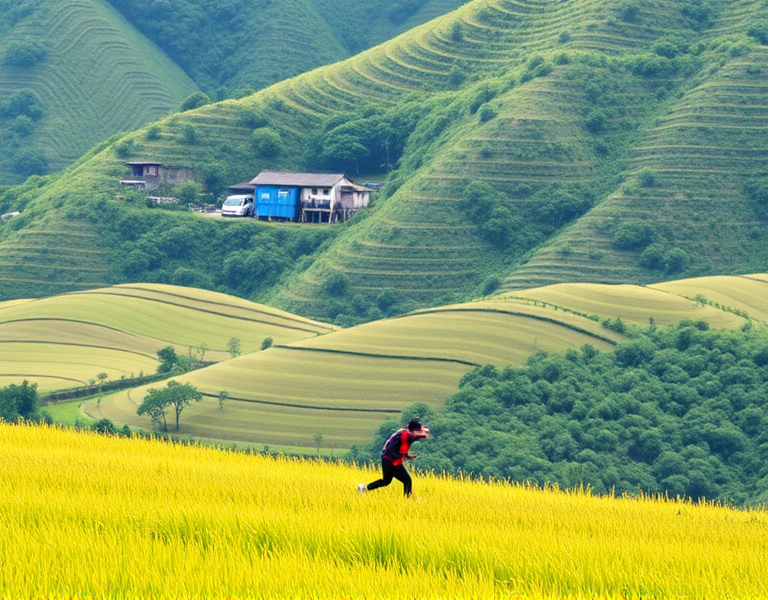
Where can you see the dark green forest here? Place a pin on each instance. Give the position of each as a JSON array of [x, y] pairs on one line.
[[678, 411]]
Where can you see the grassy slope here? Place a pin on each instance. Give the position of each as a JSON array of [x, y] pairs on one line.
[[344, 384], [417, 241], [99, 77], [67, 340]]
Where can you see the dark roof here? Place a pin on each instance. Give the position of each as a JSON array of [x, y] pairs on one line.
[[357, 188], [144, 163], [297, 179], [243, 185]]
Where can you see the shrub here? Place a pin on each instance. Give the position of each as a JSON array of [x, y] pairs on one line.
[[652, 257], [336, 284], [266, 142], [29, 161], [23, 102], [153, 132], [195, 100], [646, 177], [633, 236], [629, 12], [24, 53], [486, 113], [456, 76], [596, 121], [490, 285], [189, 134], [759, 32], [676, 260]]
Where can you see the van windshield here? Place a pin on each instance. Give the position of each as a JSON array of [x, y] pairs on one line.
[[232, 201]]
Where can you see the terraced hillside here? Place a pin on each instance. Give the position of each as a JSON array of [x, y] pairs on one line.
[[238, 45], [73, 73], [66, 341], [343, 385], [529, 143]]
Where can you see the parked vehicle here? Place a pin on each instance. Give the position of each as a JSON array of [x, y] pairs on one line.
[[237, 206]]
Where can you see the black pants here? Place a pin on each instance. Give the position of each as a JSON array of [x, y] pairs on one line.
[[390, 471]]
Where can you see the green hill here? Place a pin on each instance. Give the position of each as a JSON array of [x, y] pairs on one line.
[[72, 74], [523, 143], [235, 45], [345, 383]]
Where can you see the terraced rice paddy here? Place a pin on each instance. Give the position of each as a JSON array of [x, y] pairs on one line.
[[344, 384], [66, 341], [88, 516], [87, 100]]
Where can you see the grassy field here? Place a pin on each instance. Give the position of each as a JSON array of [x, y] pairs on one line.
[[88, 516], [344, 384]]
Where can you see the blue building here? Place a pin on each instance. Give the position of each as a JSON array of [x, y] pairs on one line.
[[307, 197]]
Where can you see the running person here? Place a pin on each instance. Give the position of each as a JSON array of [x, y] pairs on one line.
[[396, 449]]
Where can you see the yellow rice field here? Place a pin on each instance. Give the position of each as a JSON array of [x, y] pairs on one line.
[[85, 516]]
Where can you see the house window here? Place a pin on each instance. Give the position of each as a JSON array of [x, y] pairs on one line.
[[326, 192], [314, 191]]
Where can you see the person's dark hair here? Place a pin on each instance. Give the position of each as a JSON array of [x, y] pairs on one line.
[[414, 425]]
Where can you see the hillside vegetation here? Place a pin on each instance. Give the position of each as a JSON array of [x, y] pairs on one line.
[[345, 384], [233, 46], [152, 519], [72, 74], [524, 144]]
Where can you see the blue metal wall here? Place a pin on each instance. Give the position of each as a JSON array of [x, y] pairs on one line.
[[275, 202]]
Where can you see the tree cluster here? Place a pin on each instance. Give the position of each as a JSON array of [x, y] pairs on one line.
[[19, 402], [174, 397], [678, 411]]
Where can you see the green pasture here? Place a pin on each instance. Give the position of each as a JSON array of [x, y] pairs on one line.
[[67, 413], [631, 303]]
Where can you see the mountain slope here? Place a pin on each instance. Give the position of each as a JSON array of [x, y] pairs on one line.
[[523, 142], [73, 73]]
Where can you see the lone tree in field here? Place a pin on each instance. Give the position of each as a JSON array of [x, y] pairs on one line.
[[233, 347], [176, 395]]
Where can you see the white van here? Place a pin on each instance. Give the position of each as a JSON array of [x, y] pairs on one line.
[[240, 205]]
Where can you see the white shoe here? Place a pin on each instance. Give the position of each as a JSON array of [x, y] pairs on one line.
[[361, 488]]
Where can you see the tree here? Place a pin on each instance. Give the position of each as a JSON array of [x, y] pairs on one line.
[[189, 192], [266, 343], [180, 396], [318, 441], [18, 402], [175, 395], [223, 395], [233, 347], [154, 406], [168, 359]]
